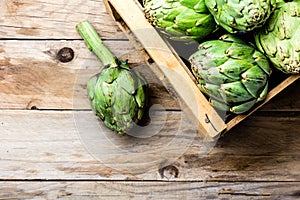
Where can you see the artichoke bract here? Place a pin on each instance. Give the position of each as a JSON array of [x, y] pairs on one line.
[[180, 20], [279, 38], [118, 94], [231, 72], [243, 15]]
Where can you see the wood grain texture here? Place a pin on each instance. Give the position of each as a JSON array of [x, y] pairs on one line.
[[46, 19], [148, 190], [51, 145], [32, 76]]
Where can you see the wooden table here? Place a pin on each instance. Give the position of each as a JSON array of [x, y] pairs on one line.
[[43, 105]]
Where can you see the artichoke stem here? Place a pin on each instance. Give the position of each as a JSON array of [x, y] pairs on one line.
[[95, 44]]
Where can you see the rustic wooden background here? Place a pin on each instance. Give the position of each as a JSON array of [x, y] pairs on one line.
[[41, 153]]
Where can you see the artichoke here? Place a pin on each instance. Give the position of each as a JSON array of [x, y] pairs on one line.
[[180, 20], [118, 94], [279, 38], [231, 72], [243, 15]]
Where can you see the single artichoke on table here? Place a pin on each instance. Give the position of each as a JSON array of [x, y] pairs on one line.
[[180, 20], [232, 73], [279, 38], [242, 15], [118, 94]]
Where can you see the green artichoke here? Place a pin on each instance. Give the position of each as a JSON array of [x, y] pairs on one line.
[[279, 38], [232, 73], [242, 15], [180, 20], [118, 94]]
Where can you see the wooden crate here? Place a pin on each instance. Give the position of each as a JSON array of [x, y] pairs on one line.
[[129, 15]]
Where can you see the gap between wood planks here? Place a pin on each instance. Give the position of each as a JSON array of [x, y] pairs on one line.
[[142, 181]]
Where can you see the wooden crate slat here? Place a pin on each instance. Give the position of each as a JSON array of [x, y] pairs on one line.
[[210, 123]]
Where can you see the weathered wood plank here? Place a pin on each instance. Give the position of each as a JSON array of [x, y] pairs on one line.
[[287, 100], [40, 144], [45, 19], [260, 143], [32, 76], [48, 145], [148, 190]]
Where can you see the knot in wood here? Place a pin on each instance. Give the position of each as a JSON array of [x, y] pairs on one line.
[[65, 55], [169, 172]]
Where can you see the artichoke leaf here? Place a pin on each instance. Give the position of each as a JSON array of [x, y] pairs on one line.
[[118, 108], [91, 84], [243, 107], [186, 19], [240, 51], [173, 14], [213, 91], [234, 92], [234, 68], [253, 80], [262, 62], [140, 96], [253, 86], [264, 93], [189, 3], [127, 81], [103, 93], [110, 74], [215, 77], [219, 105]]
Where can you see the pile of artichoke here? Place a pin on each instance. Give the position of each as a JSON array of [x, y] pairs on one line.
[[231, 70]]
